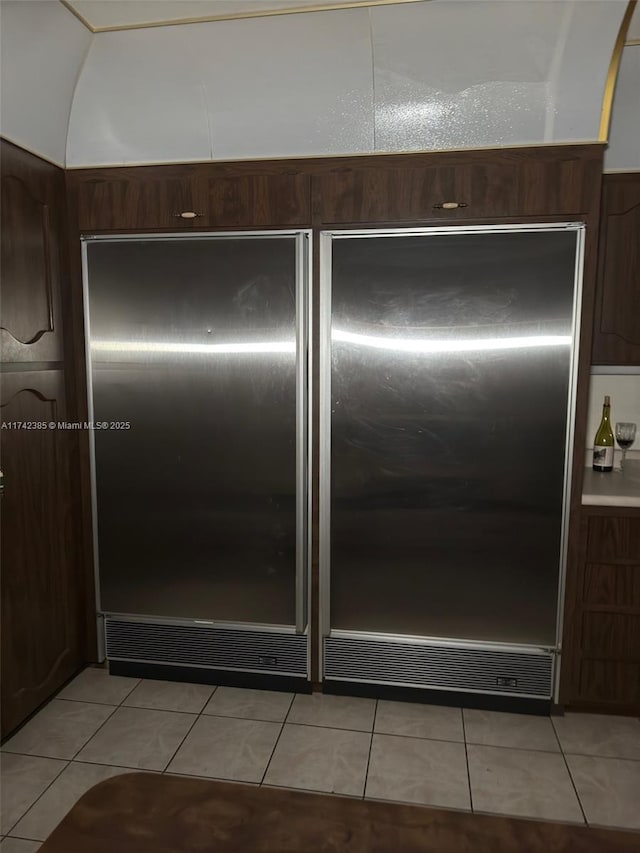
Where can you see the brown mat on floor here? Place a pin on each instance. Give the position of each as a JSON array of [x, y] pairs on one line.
[[148, 813]]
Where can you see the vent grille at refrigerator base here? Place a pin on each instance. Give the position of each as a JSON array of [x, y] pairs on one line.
[[237, 649], [420, 664]]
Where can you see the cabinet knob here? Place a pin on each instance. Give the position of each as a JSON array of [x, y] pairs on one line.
[[450, 205], [187, 214]]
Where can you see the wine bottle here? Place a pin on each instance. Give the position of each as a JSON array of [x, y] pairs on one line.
[[603, 442]]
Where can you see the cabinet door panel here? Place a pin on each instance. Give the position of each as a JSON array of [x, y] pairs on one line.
[[134, 202], [32, 231], [255, 200], [154, 197], [484, 189], [612, 683], [611, 635], [617, 318], [611, 585], [613, 539], [40, 590]]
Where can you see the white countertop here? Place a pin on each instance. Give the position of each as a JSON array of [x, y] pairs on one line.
[[613, 488]]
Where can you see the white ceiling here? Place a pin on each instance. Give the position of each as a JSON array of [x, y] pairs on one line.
[[119, 14]]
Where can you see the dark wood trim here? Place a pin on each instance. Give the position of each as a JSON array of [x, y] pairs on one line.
[[572, 569], [78, 403], [616, 511], [317, 165]]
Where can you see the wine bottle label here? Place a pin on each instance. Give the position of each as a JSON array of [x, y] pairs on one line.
[[602, 457]]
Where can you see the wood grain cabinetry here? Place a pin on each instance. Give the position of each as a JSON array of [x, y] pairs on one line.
[[40, 626], [486, 185], [616, 333], [603, 662], [506, 183], [42, 618], [153, 197], [32, 228]]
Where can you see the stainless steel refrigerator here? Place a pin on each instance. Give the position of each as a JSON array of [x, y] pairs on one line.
[[448, 362], [197, 356]]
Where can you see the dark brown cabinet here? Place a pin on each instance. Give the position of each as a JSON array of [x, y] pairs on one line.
[[40, 626], [507, 183], [616, 331], [150, 197], [42, 586], [485, 185], [602, 666], [32, 204]]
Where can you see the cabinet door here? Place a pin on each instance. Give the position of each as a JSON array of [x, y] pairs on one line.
[[155, 197], [607, 617], [491, 186], [40, 588], [246, 201], [32, 232], [616, 333], [136, 199]]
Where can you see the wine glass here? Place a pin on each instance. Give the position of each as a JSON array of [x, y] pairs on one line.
[[625, 436]]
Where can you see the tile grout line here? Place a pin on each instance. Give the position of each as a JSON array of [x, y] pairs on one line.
[[273, 752], [285, 720], [26, 811], [175, 710], [126, 696], [196, 717], [190, 729], [466, 758], [373, 728], [275, 746], [336, 728], [566, 764], [100, 727]]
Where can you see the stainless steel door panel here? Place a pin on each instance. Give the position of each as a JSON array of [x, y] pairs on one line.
[[194, 343], [450, 367]]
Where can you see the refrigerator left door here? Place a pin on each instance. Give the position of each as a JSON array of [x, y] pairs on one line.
[[195, 349]]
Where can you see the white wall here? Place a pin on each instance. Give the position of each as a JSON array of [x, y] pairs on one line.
[[417, 76], [43, 47], [262, 87], [624, 391]]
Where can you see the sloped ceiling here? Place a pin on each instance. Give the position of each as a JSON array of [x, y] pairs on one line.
[[409, 76], [42, 50]]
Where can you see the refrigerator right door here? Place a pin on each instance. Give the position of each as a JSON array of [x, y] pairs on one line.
[[448, 393]]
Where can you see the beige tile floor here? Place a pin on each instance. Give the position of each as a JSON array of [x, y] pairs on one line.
[[573, 768]]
